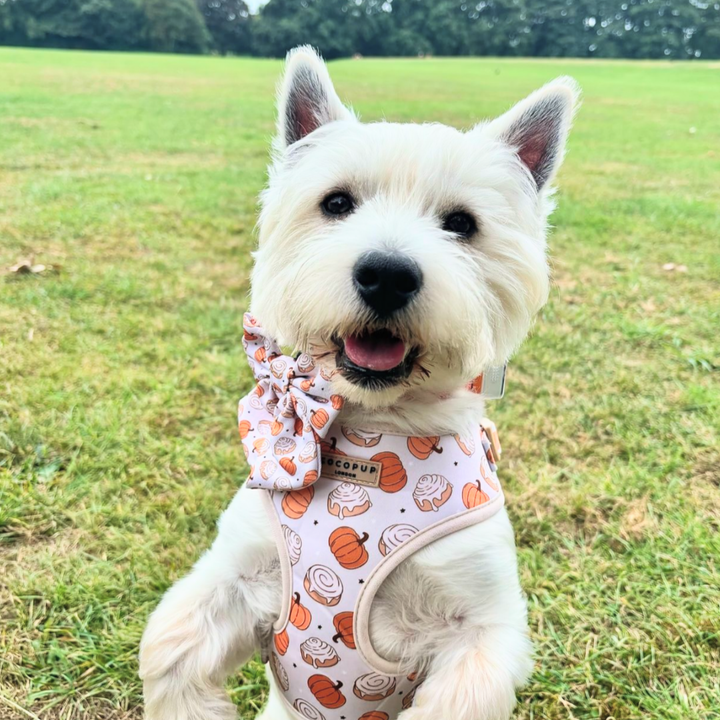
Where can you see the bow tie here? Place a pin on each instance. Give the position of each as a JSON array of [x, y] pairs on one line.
[[284, 419]]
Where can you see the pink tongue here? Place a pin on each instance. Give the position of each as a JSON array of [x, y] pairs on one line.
[[375, 351]]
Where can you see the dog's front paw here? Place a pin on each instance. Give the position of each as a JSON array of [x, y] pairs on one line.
[[170, 698]]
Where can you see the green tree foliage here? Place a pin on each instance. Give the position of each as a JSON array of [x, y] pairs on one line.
[[101, 24], [228, 22], [673, 29], [175, 26]]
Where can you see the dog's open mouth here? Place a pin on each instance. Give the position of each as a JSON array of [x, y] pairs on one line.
[[375, 359]]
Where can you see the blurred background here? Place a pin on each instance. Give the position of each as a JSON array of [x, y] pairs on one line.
[[676, 29], [128, 201]]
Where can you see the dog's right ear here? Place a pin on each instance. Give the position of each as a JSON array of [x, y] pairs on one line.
[[307, 98]]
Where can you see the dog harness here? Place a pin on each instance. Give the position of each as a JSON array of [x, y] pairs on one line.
[[348, 506]]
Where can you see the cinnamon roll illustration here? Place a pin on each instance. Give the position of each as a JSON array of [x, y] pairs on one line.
[[323, 585], [348, 500], [255, 402], [309, 452], [278, 368], [307, 710], [293, 543], [374, 687], [318, 653], [300, 405], [261, 446], [284, 446], [282, 483], [265, 427], [394, 536], [465, 443], [305, 363], [432, 492], [279, 672], [287, 409], [267, 469], [488, 475], [361, 437]]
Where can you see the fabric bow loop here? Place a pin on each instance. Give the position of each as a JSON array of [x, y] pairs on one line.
[[284, 418]]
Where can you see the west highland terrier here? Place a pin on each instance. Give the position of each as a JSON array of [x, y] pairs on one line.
[[369, 558]]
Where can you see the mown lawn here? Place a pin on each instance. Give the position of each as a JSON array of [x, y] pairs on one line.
[[133, 179]]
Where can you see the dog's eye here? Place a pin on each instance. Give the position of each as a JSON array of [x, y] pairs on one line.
[[460, 223], [338, 203]]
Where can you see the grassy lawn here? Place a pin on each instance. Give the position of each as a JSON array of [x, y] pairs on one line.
[[133, 179]]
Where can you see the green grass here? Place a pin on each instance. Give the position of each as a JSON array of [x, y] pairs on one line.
[[135, 177]]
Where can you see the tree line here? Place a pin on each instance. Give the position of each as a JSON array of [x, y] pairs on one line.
[[673, 29]]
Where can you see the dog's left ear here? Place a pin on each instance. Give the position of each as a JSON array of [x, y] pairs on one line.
[[537, 128], [307, 98]]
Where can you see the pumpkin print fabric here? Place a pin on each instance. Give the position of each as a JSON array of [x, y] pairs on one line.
[[283, 419], [338, 537]]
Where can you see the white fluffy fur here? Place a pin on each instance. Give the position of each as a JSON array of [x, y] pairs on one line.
[[455, 607]]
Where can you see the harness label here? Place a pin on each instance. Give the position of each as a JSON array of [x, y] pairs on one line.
[[352, 470]]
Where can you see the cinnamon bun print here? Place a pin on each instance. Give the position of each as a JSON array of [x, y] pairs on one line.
[[278, 367], [267, 469], [309, 452], [318, 653], [305, 363], [361, 437], [284, 446], [374, 687], [279, 671], [293, 543], [432, 492], [307, 710], [323, 585], [282, 483], [348, 500], [394, 536]]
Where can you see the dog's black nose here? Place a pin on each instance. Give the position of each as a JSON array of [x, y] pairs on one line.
[[387, 282]]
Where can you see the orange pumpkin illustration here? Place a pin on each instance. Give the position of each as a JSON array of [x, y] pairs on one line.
[[295, 504], [409, 699], [305, 385], [330, 446], [300, 616], [337, 401], [392, 476], [261, 446], [343, 623], [288, 465], [476, 385], [319, 418], [249, 336], [259, 390], [244, 427], [326, 692], [298, 427], [348, 547], [276, 427], [423, 447], [261, 354], [473, 495], [374, 715], [281, 642], [310, 477]]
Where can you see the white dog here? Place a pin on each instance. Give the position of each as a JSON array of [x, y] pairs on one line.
[[405, 259]]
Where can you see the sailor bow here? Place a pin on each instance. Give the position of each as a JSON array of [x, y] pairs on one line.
[[283, 420]]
